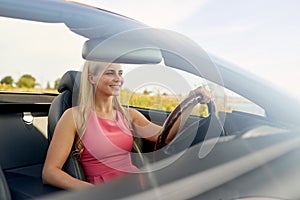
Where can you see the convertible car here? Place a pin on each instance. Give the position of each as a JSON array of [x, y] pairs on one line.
[[244, 144]]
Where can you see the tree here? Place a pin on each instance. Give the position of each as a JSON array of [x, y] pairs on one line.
[[48, 85], [26, 81], [146, 92], [56, 83], [7, 80]]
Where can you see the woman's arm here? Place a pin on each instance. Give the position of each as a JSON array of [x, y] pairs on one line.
[[58, 152], [151, 131], [178, 124], [143, 126]]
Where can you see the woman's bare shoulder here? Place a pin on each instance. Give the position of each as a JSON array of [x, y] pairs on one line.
[[69, 114], [71, 111], [66, 123]]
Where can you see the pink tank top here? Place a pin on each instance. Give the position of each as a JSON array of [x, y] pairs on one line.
[[107, 146]]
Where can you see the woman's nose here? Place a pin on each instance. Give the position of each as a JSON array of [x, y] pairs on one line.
[[118, 78]]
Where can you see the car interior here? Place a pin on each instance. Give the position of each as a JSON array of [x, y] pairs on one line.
[[28, 129], [28, 120], [23, 145]]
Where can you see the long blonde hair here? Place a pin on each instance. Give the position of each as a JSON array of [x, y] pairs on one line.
[[86, 100]]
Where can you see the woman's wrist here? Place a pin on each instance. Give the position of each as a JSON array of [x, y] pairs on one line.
[[202, 95]]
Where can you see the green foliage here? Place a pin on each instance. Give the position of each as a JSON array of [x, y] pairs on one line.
[[56, 83], [26, 81], [146, 92], [48, 85], [147, 99], [7, 80], [4, 87], [157, 102]]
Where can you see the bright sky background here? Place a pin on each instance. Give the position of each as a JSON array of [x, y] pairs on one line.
[[262, 36]]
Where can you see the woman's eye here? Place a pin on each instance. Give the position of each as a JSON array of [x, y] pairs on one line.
[[120, 73], [109, 73]]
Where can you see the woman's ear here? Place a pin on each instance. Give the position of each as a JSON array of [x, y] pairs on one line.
[[91, 79]]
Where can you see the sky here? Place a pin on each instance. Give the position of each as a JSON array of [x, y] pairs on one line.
[[261, 36]]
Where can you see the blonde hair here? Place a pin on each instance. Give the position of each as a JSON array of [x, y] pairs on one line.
[[86, 100]]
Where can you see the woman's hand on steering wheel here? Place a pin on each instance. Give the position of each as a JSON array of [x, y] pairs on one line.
[[202, 93], [198, 95]]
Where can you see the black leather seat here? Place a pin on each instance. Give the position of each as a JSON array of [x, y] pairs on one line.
[[4, 190], [69, 90], [23, 148]]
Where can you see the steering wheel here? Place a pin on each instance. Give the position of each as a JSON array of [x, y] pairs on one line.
[[176, 113]]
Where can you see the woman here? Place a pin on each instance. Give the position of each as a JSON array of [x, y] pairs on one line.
[[102, 129]]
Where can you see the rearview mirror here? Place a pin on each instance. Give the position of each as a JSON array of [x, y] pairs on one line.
[[128, 47]]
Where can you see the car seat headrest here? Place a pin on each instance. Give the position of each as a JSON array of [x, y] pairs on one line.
[[70, 81]]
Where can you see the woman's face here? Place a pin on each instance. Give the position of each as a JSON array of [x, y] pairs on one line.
[[110, 80]]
